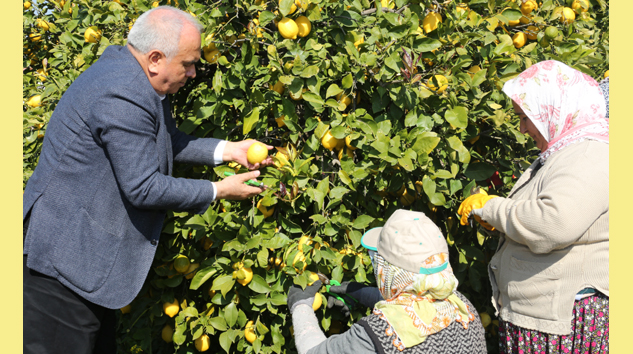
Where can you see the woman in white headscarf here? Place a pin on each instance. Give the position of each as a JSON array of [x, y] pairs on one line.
[[420, 310], [550, 274]]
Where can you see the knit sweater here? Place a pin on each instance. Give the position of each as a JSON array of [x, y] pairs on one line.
[[369, 336], [555, 238]]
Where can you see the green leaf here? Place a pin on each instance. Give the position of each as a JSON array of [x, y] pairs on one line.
[[362, 222], [223, 283], [427, 44], [347, 81], [218, 323], [479, 171], [225, 338], [457, 117], [429, 186], [333, 90], [259, 285], [217, 81], [443, 174], [202, 276], [310, 71], [426, 142], [311, 97], [251, 120], [512, 14], [230, 314]]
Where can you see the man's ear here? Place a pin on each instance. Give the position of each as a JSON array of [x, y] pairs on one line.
[[155, 60]]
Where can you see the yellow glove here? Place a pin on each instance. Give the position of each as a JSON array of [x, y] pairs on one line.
[[475, 201]]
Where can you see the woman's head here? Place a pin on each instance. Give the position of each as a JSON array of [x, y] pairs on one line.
[[558, 105], [410, 255]]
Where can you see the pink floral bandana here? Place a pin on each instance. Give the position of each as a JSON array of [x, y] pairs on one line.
[[565, 105]]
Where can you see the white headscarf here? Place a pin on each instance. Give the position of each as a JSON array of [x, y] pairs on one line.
[[565, 105]]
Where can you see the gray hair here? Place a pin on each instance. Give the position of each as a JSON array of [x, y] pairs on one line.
[[160, 31]]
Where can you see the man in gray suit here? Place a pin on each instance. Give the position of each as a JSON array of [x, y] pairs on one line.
[[94, 207]]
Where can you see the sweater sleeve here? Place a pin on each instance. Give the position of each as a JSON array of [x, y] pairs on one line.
[[353, 341], [567, 201]]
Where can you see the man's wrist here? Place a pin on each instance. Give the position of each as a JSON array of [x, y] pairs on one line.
[[218, 154]]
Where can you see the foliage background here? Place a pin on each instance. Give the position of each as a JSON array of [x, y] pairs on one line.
[[403, 132]]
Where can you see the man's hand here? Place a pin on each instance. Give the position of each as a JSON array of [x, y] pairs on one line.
[[236, 151], [234, 188]]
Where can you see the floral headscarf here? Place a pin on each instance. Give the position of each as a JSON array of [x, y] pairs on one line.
[[418, 305], [565, 105]]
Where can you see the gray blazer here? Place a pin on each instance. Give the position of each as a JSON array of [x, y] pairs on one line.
[[97, 199]]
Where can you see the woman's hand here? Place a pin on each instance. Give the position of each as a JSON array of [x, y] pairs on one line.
[[472, 203], [236, 151]]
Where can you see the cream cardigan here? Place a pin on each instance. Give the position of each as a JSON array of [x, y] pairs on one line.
[[555, 238]]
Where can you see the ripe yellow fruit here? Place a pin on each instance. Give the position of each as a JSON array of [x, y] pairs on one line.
[[92, 34], [580, 6], [358, 42], [525, 20], [528, 6], [181, 264], [155, 4], [248, 276], [348, 143], [461, 8], [27, 5], [280, 121], [485, 319], [345, 99], [171, 308], [387, 3], [191, 271], [431, 21], [34, 101], [126, 309], [329, 141], [35, 37], [288, 28], [304, 26], [207, 243], [299, 257], [42, 24], [266, 211], [249, 332], [407, 199], [567, 16], [41, 74], [519, 39], [532, 32], [317, 302], [606, 74], [473, 70], [167, 334], [441, 80], [202, 343], [313, 277], [212, 56], [278, 87], [257, 153], [303, 240]]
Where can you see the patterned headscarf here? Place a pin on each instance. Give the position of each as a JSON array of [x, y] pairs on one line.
[[418, 305], [565, 105]]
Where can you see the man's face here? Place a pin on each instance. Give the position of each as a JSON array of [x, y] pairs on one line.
[[175, 72]]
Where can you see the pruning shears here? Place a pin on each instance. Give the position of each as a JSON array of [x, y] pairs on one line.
[[329, 283]]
